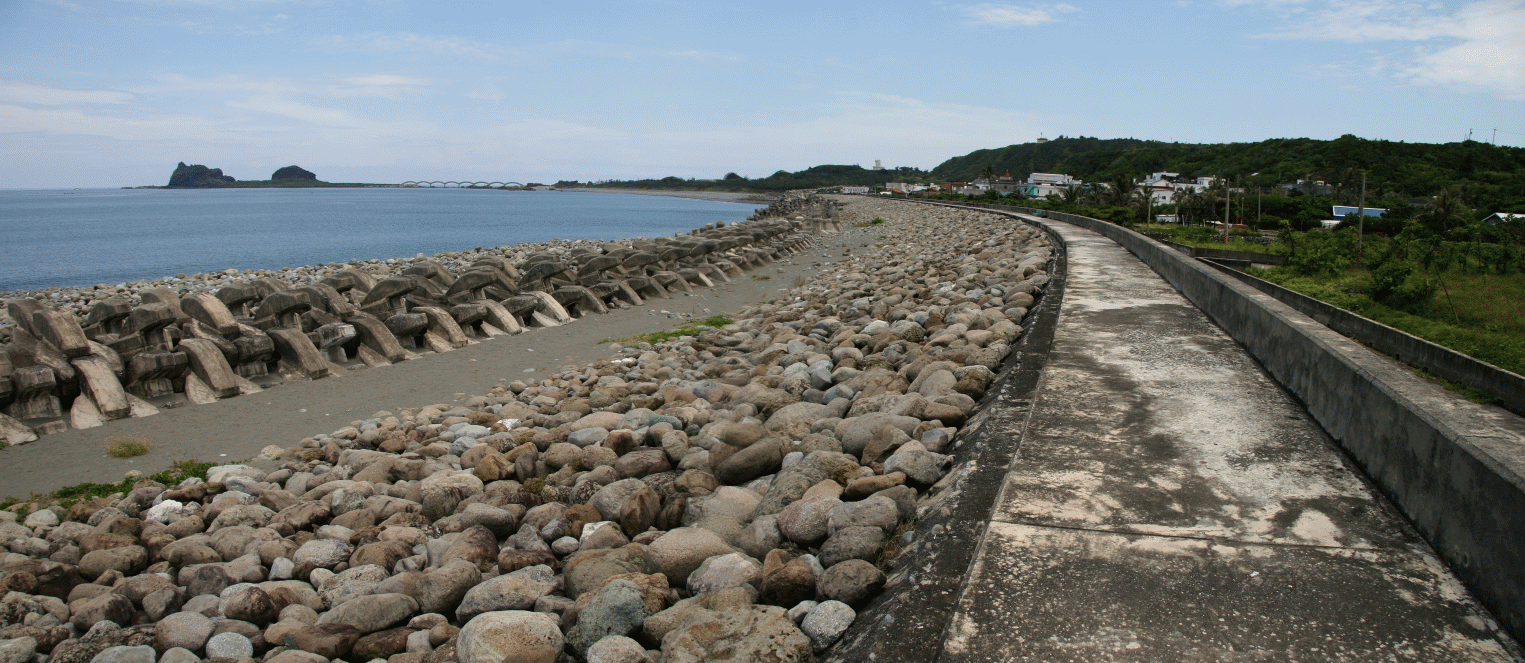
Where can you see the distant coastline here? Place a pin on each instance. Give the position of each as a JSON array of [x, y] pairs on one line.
[[276, 184]]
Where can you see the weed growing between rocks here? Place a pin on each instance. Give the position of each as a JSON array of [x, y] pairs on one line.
[[685, 328], [127, 446]]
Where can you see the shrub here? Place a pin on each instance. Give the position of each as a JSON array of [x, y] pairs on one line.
[[1402, 285], [127, 446]]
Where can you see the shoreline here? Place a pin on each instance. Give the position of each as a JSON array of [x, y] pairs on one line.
[[61, 296], [236, 429], [717, 196]]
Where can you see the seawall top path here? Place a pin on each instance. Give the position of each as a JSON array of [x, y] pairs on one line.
[[1170, 502]]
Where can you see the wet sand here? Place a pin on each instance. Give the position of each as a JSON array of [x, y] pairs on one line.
[[237, 428]]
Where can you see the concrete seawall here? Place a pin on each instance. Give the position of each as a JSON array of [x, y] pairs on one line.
[[1503, 385], [1454, 468]]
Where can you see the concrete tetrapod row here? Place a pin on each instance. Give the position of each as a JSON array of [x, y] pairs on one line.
[[61, 371], [734, 495]]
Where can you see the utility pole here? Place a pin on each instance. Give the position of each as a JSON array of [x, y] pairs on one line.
[[1361, 219], [1228, 198]]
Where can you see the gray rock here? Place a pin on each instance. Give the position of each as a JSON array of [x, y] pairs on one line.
[[587, 436], [18, 650], [618, 609], [760, 536], [725, 511], [511, 591], [874, 511], [617, 649], [805, 521], [350, 583], [440, 590], [528, 538], [609, 498], [920, 466], [751, 633], [724, 572], [827, 622], [373, 612], [863, 543], [492, 636], [113, 608], [250, 604], [323, 553], [126, 654], [229, 645], [178, 655], [859, 431], [678, 552], [852, 582], [802, 610]]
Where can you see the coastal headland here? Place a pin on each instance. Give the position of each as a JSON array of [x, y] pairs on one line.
[[288, 177]]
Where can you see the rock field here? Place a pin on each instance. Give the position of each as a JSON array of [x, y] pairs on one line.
[[735, 495]]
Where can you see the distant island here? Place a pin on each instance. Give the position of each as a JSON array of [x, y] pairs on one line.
[[201, 177]]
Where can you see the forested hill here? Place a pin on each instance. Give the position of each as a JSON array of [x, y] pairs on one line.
[[1490, 177], [1022, 160], [783, 180]]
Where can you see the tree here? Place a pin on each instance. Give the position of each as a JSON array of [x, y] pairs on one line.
[[1447, 211], [1120, 190], [733, 176]]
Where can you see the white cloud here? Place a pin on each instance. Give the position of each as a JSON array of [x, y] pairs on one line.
[[1479, 47], [580, 47], [1016, 15], [409, 42], [385, 80], [29, 93]]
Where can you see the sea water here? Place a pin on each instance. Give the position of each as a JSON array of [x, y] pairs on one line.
[[84, 237]]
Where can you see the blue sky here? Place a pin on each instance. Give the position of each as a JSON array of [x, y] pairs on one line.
[[115, 92]]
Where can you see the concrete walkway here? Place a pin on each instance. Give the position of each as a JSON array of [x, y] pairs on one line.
[[1170, 502]]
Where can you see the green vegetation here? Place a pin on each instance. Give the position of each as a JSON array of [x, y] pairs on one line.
[[127, 446], [685, 328], [871, 222], [69, 495], [1466, 296], [811, 178], [1489, 177]]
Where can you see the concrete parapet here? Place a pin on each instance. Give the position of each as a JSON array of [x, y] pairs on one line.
[[1506, 387]]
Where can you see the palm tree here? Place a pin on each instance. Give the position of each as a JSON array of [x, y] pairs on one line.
[[1120, 190], [1072, 195], [1446, 209]]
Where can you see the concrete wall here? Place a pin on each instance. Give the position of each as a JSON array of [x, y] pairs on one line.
[[1454, 473], [1224, 254], [1503, 385]]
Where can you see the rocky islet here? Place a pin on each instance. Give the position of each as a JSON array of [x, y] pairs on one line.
[[738, 493]]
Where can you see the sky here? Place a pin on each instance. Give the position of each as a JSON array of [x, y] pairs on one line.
[[115, 92]]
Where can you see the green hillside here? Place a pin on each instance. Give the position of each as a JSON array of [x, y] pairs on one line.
[[1489, 177], [1022, 160]]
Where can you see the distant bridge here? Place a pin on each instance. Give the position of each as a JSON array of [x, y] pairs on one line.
[[462, 185]]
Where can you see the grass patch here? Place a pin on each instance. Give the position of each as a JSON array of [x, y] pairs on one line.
[[1480, 316], [69, 495], [127, 446], [871, 222], [761, 277], [685, 328]]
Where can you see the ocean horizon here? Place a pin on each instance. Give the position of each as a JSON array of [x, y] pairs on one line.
[[84, 237]]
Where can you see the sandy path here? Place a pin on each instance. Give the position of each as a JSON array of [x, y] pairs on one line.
[[237, 428]]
